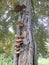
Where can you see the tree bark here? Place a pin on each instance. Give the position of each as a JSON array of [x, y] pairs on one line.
[[28, 55]]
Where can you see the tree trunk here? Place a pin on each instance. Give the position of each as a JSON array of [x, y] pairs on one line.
[[28, 54]]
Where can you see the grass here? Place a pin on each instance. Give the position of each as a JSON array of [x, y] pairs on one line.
[[43, 61], [5, 61], [9, 61]]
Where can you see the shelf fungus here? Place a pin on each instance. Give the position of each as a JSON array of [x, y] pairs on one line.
[[20, 23], [19, 8], [19, 44], [20, 37], [19, 40], [23, 6], [17, 50]]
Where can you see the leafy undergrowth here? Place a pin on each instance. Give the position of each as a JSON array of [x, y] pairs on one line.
[[43, 61], [5, 60], [9, 60]]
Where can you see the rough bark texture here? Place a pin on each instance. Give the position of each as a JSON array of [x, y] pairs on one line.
[[28, 54]]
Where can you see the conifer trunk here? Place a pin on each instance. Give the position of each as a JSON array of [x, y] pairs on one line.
[[29, 54]]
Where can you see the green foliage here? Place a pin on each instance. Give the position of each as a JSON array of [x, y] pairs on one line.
[[6, 37], [41, 38], [5, 61], [43, 61], [3, 6]]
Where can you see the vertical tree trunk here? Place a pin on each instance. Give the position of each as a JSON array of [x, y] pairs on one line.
[[28, 55]]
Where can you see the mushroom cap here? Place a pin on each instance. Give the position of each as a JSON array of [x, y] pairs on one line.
[[18, 44], [17, 52], [23, 6], [16, 49], [19, 8], [20, 23], [19, 40], [20, 37]]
